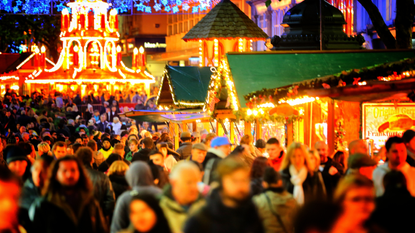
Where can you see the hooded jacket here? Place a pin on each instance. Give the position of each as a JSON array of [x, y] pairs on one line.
[[175, 213], [140, 179], [279, 202], [215, 217]]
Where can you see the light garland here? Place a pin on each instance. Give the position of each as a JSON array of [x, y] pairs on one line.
[[297, 101], [52, 81]]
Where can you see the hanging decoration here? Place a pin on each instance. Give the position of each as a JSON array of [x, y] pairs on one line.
[[122, 6], [340, 132]]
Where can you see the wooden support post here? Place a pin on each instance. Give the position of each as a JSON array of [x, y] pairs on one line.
[[219, 129], [232, 133], [289, 133], [176, 135], [185, 127], [307, 123], [330, 127], [194, 126], [247, 128], [258, 126]]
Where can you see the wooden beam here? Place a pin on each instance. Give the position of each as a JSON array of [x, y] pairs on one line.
[[330, 127], [247, 128], [176, 136], [258, 127], [289, 135]]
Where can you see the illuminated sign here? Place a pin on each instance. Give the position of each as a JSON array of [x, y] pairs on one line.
[[154, 45], [383, 120]]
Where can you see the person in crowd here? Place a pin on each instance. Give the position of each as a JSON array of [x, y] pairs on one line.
[[116, 126], [133, 146], [18, 162], [146, 216], [196, 137], [103, 191], [260, 144], [257, 172], [23, 119], [103, 123], [59, 150], [317, 217], [185, 150], [357, 146], [68, 204], [396, 154], [229, 208], [330, 170], [339, 157], [140, 180], [299, 178], [199, 151], [208, 139], [9, 201], [98, 157], [409, 139], [25, 137], [275, 153], [362, 164], [389, 214], [9, 122], [113, 113], [106, 149], [116, 174], [157, 157], [147, 145], [170, 157], [44, 149], [355, 194], [75, 147], [276, 207], [136, 97], [181, 198], [247, 140], [220, 149], [104, 166], [119, 150], [32, 188]]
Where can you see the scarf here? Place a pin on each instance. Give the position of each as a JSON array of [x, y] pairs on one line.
[[297, 179]]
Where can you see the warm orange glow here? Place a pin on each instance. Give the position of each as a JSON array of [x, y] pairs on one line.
[[96, 88], [43, 49], [135, 51], [76, 49], [118, 48], [141, 50]]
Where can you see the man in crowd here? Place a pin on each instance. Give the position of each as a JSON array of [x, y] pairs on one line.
[[103, 123], [260, 144], [68, 204], [362, 164], [25, 137], [229, 208], [9, 200], [143, 154], [275, 153], [133, 146], [396, 154], [182, 197], [103, 191], [409, 139], [23, 119], [355, 147], [199, 151], [17, 161], [106, 149], [185, 150], [59, 150], [331, 170], [220, 149]]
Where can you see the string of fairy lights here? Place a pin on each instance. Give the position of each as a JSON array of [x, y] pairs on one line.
[[122, 6]]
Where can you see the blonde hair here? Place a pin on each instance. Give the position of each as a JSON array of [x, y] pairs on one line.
[[43, 147], [116, 120], [316, 157], [286, 162], [118, 168], [247, 139]]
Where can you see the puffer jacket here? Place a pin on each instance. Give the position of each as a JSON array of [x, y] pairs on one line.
[[176, 215], [140, 179], [276, 201], [103, 191]]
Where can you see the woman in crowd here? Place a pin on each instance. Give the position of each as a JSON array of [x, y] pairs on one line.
[[248, 141], [170, 157], [257, 171], [299, 177], [339, 157], [116, 173], [356, 195], [44, 149], [146, 215], [104, 166], [116, 126]]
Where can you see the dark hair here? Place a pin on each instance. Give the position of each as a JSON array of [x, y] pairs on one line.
[[228, 166], [338, 157], [123, 133], [85, 154], [7, 176], [393, 140], [273, 141], [154, 152], [271, 176], [92, 144], [53, 184], [394, 179], [148, 143], [258, 167], [58, 144], [75, 147], [319, 216], [162, 224]]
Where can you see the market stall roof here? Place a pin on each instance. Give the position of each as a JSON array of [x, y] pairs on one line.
[[186, 117], [163, 116], [184, 86], [225, 21], [258, 70]]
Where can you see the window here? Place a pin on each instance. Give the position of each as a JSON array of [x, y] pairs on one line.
[[186, 26], [180, 27], [170, 30], [174, 29]]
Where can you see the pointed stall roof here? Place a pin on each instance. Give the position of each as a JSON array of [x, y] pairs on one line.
[[225, 21]]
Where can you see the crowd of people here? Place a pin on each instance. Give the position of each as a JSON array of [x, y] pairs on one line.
[[94, 178]]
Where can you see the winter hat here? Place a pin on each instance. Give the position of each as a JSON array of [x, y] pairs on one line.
[[15, 153], [408, 135]]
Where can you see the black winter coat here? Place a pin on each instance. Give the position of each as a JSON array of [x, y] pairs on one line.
[[142, 155], [103, 191], [119, 184], [313, 186], [331, 181], [215, 217]]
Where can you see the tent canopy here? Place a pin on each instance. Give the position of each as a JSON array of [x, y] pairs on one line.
[[255, 71]]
